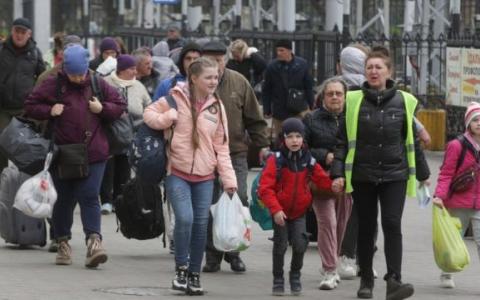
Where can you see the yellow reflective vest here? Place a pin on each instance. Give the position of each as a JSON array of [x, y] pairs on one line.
[[353, 103]]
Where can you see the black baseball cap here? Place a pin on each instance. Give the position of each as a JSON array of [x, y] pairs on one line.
[[22, 22]]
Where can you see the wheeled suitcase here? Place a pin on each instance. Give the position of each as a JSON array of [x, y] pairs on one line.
[[16, 227]]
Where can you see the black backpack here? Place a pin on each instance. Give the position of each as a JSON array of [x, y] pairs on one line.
[[139, 210]]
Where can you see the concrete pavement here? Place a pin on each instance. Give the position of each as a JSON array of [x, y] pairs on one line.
[[145, 269]]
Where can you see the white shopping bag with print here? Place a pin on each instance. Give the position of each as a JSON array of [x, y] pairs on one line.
[[231, 228], [37, 195]]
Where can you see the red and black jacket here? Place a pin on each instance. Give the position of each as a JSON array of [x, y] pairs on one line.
[[284, 186]]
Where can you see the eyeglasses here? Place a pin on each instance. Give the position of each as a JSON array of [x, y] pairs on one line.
[[334, 93]]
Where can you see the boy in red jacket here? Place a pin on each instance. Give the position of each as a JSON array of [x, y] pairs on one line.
[[283, 188]]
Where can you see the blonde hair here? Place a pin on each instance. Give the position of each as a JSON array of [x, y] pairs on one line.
[[239, 46], [196, 68]]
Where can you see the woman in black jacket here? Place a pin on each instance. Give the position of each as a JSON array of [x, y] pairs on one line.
[[331, 211], [384, 159]]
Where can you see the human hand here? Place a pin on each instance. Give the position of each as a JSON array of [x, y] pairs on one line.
[[424, 136], [56, 110], [263, 154], [173, 115], [95, 105], [437, 201], [425, 182], [279, 218], [231, 191], [338, 184], [329, 159]]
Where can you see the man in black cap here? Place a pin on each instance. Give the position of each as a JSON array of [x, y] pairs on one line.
[[20, 64], [244, 117], [288, 87]]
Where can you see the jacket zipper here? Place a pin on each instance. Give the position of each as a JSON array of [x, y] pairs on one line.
[[294, 186]]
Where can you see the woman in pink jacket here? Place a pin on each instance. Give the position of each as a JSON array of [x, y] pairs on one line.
[[464, 205], [198, 147]]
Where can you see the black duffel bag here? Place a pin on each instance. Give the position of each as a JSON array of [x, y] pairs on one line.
[[22, 143]]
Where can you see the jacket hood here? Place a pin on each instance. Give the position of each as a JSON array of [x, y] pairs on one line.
[[187, 48], [160, 49]]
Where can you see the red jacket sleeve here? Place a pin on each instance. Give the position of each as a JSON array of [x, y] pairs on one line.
[[267, 184], [321, 179]]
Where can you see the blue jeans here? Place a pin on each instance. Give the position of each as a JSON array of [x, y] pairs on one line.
[[85, 192], [191, 205]]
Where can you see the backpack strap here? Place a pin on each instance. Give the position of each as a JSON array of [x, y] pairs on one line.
[[465, 146], [96, 90]]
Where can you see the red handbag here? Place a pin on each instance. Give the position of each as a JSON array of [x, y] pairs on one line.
[[464, 180]]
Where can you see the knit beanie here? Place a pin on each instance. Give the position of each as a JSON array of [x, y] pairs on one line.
[[108, 43], [124, 62], [75, 60], [473, 110], [284, 44], [293, 125]]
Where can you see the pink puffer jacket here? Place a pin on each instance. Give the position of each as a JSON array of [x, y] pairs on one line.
[[212, 151]]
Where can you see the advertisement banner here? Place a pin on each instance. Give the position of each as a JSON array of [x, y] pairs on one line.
[[454, 76], [470, 76]]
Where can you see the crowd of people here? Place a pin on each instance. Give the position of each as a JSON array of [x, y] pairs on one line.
[[348, 151]]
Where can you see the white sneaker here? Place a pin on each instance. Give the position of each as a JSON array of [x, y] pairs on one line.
[[329, 282], [446, 281], [347, 268], [106, 209]]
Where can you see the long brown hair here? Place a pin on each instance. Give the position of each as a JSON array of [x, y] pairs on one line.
[[195, 69]]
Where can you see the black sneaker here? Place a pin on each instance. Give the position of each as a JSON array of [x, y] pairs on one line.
[[194, 288], [278, 288], [179, 283]]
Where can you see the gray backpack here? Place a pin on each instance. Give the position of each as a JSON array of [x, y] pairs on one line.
[[16, 227]]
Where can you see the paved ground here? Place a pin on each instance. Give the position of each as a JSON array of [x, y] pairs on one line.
[[144, 268]]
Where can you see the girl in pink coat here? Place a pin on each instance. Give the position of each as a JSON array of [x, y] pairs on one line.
[[464, 204], [197, 148]]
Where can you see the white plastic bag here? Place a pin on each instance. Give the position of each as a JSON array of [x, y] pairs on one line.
[[423, 195], [231, 228], [37, 195], [107, 66]]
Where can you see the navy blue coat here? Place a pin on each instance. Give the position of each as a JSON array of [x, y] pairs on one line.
[[275, 92]]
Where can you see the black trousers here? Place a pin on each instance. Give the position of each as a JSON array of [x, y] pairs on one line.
[[391, 196], [295, 233], [117, 173]]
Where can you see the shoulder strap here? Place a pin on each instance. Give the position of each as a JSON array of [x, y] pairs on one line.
[[96, 91], [171, 101], [278, 164]]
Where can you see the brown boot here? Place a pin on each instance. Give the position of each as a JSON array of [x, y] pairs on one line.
[[64, 253], [95, 253]]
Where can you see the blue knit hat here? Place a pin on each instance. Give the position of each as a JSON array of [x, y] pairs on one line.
[[75, 60]]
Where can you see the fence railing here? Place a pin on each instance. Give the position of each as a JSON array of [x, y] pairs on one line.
[[322, 51]]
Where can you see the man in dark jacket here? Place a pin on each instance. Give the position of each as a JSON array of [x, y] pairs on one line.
[[146, 74], [20, 64], [287, 74], [244, 116]]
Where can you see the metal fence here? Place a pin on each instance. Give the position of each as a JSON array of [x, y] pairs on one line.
[[322, 51]]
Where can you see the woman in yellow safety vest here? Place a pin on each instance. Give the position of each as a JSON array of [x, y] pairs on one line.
[[378, 159]]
